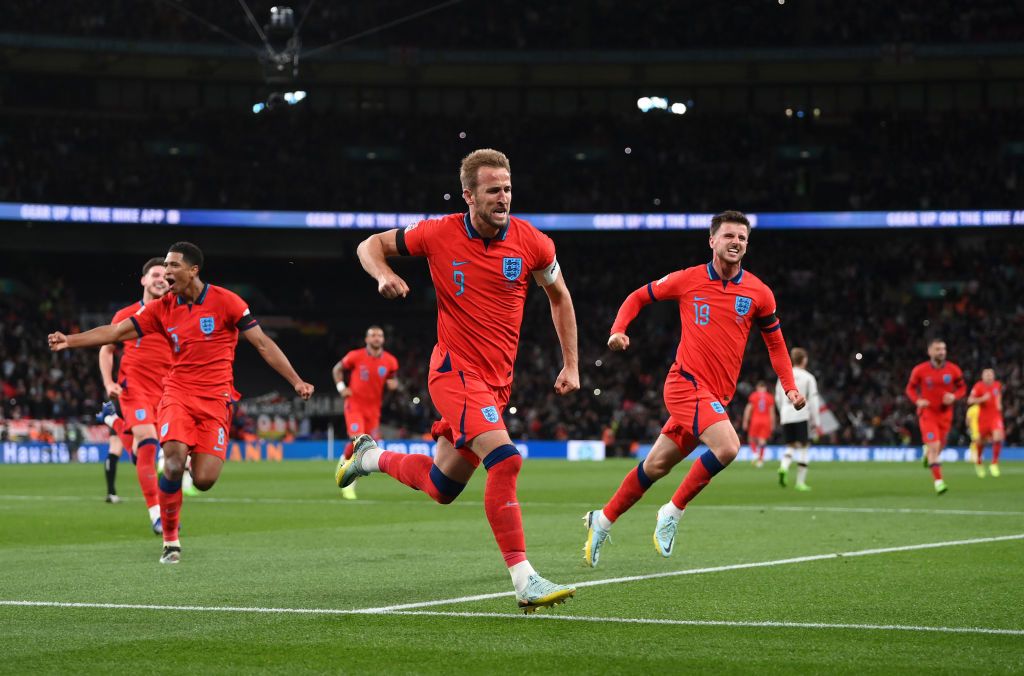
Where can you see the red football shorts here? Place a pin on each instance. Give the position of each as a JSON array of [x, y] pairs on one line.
[[989, 424], [934, 428], [690, 406], [200, 423], [360, 420], [468, 406], [680, 435], [759, 429], [139, 407]]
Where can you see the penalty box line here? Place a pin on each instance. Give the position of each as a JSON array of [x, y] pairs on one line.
[[713, 569]]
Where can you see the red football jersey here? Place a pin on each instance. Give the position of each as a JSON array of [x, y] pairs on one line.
[[763, 403], [145, 361], [481, 287], [716, 317], [929, 382], [202, 336], [369, 374], [988, 408]]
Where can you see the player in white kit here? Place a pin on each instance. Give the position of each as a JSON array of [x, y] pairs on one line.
[[798, 426]]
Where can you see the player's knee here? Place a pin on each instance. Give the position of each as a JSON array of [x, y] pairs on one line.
[[203, 483], [174, 467], [447, 488], [726, 452], [656, 467], [504, 458]]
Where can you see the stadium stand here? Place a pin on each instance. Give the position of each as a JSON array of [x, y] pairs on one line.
[[879, 294]]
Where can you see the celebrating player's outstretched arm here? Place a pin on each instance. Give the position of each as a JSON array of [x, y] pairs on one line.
[[373, 254], [101, 335]]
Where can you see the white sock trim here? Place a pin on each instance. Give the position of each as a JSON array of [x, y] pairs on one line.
[[670, 509], [154, 513], [602, 520], [371, 460], [521, 573]]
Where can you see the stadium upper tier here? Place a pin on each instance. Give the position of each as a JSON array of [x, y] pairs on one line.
[[633, 163], [542, 25]]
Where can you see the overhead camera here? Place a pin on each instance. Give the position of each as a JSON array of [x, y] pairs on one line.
[[281, 59]]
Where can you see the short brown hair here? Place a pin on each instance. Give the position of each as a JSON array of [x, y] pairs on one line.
[[799, 356], [151, 263], [729, 217], [484, 157]]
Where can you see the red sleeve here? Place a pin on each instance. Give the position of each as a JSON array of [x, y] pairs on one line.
[[348, 361], [236, 312], [771, 333], [779, 355], [976, 390], [913, 390], [630, 308], [148, 319], [961, 386], [543, 251], [394, 366], [415, 239], [667, 288], [766, 306]]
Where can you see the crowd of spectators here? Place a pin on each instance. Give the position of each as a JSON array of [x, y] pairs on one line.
[[33, 383], [387, 162], [534, 24], [863, 303]]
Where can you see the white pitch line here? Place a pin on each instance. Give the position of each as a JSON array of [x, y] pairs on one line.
[[714, 569], [471, 503], [530, 618], [728, 623]]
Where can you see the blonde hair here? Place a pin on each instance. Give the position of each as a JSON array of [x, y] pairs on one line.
[[799, 356], [484, 157]]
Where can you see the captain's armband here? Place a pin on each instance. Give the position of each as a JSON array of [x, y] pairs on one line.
[[548, 275]]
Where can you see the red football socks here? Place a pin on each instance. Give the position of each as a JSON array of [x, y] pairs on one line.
[[696, 479], [502, 505], [997, 447], [145, 468], [630, 490], [936, 469], [170, 507]]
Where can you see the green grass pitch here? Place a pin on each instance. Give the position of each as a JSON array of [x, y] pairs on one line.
[[278, 537]]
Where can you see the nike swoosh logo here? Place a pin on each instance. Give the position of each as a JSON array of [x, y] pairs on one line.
[[456, 264], [171, 329], [700, 297]]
